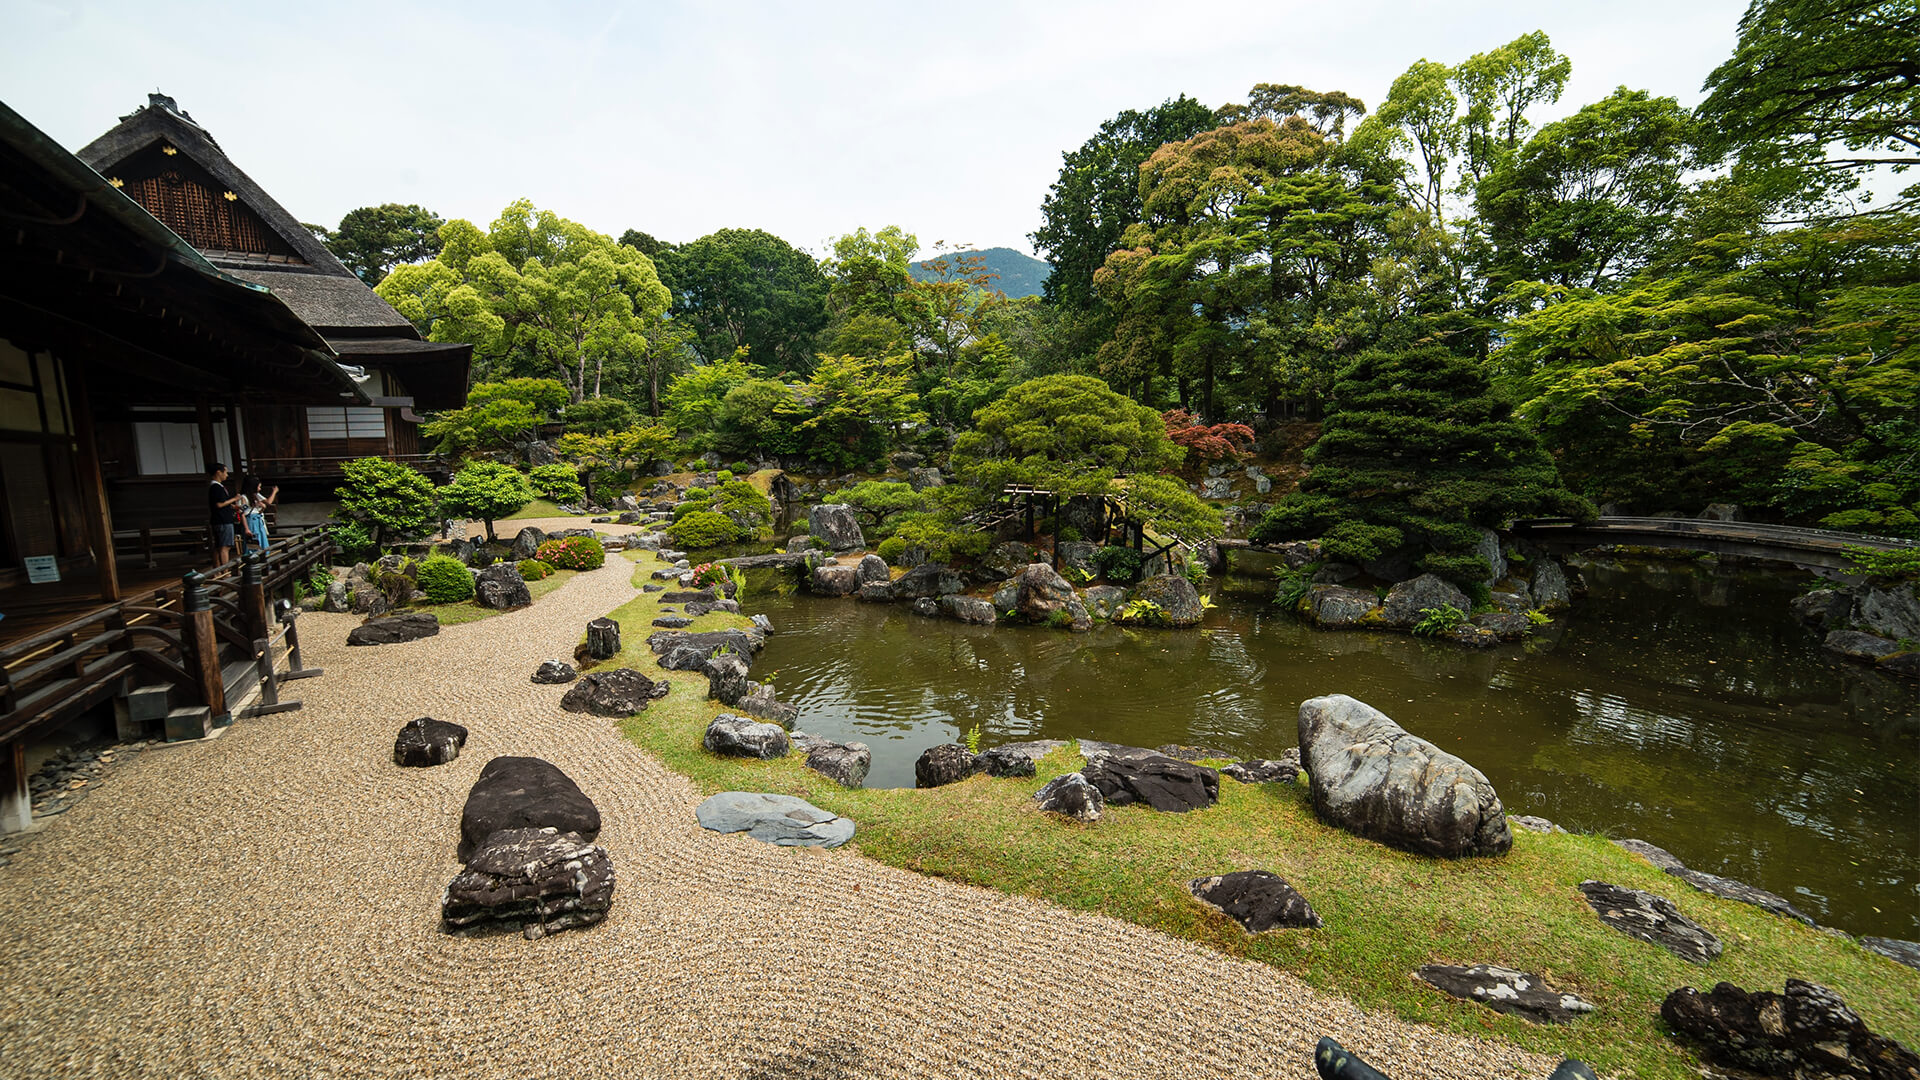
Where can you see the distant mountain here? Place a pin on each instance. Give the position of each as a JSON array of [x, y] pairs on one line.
[[1020, 274]]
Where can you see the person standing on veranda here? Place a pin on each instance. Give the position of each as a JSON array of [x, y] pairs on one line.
[[255, 504], [220, 507]]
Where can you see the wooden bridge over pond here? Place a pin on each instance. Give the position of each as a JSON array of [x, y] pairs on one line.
[[1813, 548]]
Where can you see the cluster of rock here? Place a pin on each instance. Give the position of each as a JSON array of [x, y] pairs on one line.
[[1875, 622], [1531, 580], [526, 837], [1032, 592], [70, 774]]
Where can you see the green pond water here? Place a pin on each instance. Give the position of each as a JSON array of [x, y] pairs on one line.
[[1680, 703]]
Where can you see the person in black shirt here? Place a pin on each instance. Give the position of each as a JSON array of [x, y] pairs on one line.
[[220, 513]]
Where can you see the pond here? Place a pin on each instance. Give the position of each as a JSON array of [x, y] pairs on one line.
[[1680, 703]]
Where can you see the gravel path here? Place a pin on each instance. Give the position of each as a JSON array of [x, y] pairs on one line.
[[266, 904]]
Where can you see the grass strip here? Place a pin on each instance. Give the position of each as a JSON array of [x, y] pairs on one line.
[[1387, 912]]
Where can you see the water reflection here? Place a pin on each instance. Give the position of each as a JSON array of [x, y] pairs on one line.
[[1681, 704]]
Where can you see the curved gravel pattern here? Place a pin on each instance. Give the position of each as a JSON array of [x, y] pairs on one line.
[[266, 904]]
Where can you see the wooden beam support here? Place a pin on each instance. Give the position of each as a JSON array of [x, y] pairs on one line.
[[202, 648], [16, 805], [93, 488]]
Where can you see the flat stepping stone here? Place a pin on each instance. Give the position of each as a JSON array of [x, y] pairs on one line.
[[1504, 990], [1256, 899], [1652, 919], [775, 819], [673, 622]]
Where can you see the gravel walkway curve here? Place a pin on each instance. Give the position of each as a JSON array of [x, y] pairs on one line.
[[266, 905]]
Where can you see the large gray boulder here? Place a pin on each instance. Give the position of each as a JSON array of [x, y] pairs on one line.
[[501, 588], [1488, 548], [1823, 607], [873, 568], [1849, 643], [1551, 591], [737, 736], [408, 626], [1004, 561], [1653, 919], [1040, 592], [727, 680], [836, 524], [1408, 599], [927, 579], [1104, 601], [1371, 777], [1337, 607], [1077, 555], [834, 580], [1807, 1032], [524, 793], [774, 819], [963, 608], [536, 881], [1891, 611], [1177, 598], [526, 542]]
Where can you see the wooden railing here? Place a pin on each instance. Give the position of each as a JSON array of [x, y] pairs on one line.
[[175, 635], [282, 468]]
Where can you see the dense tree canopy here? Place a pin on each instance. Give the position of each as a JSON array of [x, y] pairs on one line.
[[744, 288], [374, 239]]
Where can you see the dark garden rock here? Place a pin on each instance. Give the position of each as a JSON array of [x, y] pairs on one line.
[[1005, 597], [1369, 776], [1741, 891], [836, 524], [1823, 607], [392, 629], [501, 588], [526, 543], [727, 679], [552, 672], [760, 702], [945, 764], [1551, 590], [1335, 1062], [1652, 919], [1177, 598], [962, 608], [737, 736], [792, 560], [697, 609], [1902, 663], [1504, 990], [874, 592], [336, 597], [1256, 899], [1900, 952], [1070, 795], [616, 693], [1103, 601], [1891, 611], [775, 819], [672, 622], [690, 596], [1855, 645], [603, 639], [1473, 637], [1017, 758], [1488, 548], [1806, 1033], [844, 763], [1193, 753], [1406, 600], [834, 580], [651, 588], [679, 650], [1164, 783], [1077, 555], [1658, 856], [1040, 592], [927, 579], [524, 793], [426, 742], [761, 623], [536, 881], [1505, 625], [874, 568], [1284, 769], [1005, 561], [1337, 607], [1395, 565], [925, 476], [928, 607]]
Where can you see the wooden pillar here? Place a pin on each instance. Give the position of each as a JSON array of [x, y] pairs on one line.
[[16, 805], [202, 648], [93, 489], [253, 594]]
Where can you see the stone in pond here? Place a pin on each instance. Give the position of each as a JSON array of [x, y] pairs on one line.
[[1070, 795], [1741, 891], [961, 608], [427, 742], [775, 819], [524, 793], [925, 605], [393, 629], [1807, 1032], [1504, 990], [834, 580], [1193, 753], [617, 693], [1017, 758], [1901, 952], [536, 881], [945, 764], [737, 736], [1373, 778], [1164, 783], [844, 763], [1652, 919], [552, 672], [1256, 899]]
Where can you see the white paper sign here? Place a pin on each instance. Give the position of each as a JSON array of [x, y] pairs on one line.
[[42, 569]]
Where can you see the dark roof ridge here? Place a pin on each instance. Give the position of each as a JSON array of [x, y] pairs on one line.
[[162, 119]]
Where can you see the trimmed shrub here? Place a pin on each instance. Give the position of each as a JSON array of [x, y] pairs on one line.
[[703, 529], [1118, 564], [573, 553], [445, 580], [534, 570], [892, 549], [695, 493], [558, 483]]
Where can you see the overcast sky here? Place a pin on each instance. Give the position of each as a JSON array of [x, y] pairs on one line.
[[803, 119]]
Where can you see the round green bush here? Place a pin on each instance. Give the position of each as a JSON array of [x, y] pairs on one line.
[[573, 553], [697, 492], [694, 507], [724, 475], [892, 549], [703, 529], [445, 580], [558, 483], [534, 569]]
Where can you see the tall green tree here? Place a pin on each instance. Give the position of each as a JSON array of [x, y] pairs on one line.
[[535, 294], [497, 415], [1068, 433], [374, 239], [1097, 194], [747, 288], [486, 491]]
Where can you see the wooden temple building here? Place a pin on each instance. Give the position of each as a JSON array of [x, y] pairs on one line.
[[158, 311]]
